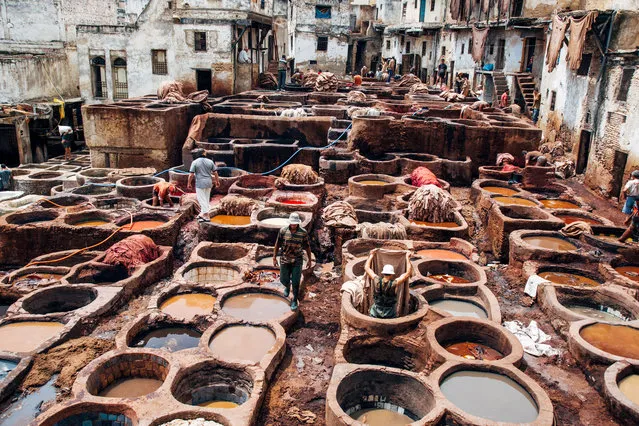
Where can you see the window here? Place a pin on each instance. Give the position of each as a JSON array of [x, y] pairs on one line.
[[432, 5], [443, 51], [415, 6], [470, 45], [424, 45], [401, 40], [200, 41], [323, 12], [462, 49], [312, 62], [322, 43], [98, 71], [430, 55], [262, 4], [404, 10], [584, 67], [387, 44], [408, 47], [158, 61], [491, 49], [626, 78], [120, 86], [553, 99]]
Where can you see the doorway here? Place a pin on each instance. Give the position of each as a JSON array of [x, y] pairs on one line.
[[584, 152], [203, 80], [501, 54], [451, 74], [618, 167], [360, 59], [528, 53]]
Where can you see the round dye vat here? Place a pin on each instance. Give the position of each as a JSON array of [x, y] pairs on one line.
[[459, 308], [441, 254], [26, 336], [448, 279], [515, 201], [472, 350], [219, 404], [131, 387], [6, 367], [568, 219], [550, 203], [500, 190], [39, 278], [256, 306], [381, 417], [91, 222], [224, 219], [256, 342], [629, 386], [187, 306], [490, 396], [550, 243], [602, 313], [172, 339], [611, 238], [435, 224], [275, 221], [372, 182], [617, 340], [565, 278], [630, 272], [141, 225]]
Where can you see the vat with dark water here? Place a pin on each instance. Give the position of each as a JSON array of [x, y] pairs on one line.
[[25, 409], [171, 339], [550, 243], [619, 340], [566, 278], [256, 306], [187, 306], [630, 272], [459, 308], [600, 312], [490, 396], [255, 342]]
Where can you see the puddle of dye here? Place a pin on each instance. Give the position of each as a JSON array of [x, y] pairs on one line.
[[558, 204], [568, 219], [292, 202], [26, 336], [629, 386], [91, 222], [500, 190], [372, 182], [449, 279], [219, 404], [441, 254], [602, 313], [172, 339], [6, 367], [276, 221], [141, 225], [256, 306], [255, 342], [490, 396], [472, 350], [131, 387], [550, 243], [631, 272], [565, 278], [435, 224], [459, 308], [224, 219], [617, 340], [23, 411], [515, 201], [187, 306], [381, 417]]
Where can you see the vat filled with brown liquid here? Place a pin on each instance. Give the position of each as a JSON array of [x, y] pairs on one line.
[[550, 243], [500, 190], [619, 340], [515, 201], [256, 306], [381, 417], [441, 254], [224, 219], [435, 224], [474, 351], [131, 387], [171, 339], [449, 279], [629, 386], [566, 278], [27, 336], [255, 342], [372, 182], [219, 404], [141, 225], [568, 219], [550, 203], [187, 306], [630, 272]]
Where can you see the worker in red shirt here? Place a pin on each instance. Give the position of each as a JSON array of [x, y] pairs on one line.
[[503, 103]]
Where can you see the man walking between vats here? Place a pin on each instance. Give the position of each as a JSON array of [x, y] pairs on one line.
[[5, 178], [536, 105], [631, 192], [293, 240], [204, 172], [282, 66], [503, 101], [441, 73]]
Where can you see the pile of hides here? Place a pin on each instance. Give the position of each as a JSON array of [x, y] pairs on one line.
[[397, 259], [238, 206], [451, 96], [363, 111], [555, 149], [171, 92], [356, 289], [299, 174], [431, 204], [309, 79], [355, 97], [532, 338], [479, 105], [564, 169], [326, 82], [132, 252], [409, 80], [382, 231], [575, 229], [340, 214], [267, 80], [422, 176], [419, 88], [294, 112]]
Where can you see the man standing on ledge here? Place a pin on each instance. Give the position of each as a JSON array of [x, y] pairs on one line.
[[282, 67], [293, 239], [204, 172]]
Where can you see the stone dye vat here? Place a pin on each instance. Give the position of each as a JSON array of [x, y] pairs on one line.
[[618, 340], [257, 341], [187, 306], [441, 254], [255, 306], [28, 336], [459, 308], [168, 338]]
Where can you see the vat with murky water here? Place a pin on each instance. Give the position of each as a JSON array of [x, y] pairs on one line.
[[131, 387], [187, 306], [27, 336], [141, 225], [619, 340], [459, 308], [567, 278], [515, 201], [230, 220], [256, 306], [474, 351], [255, 341], [501, 190], [171, 339], [629, 386], [600, 312], [550, 243], [631, 272], [6, 366], [551, 203], [435, 224]]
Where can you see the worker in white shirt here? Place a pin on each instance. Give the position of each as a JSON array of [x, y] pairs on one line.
[[244, 56]]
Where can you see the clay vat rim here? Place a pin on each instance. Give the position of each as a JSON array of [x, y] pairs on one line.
[[574, 337]]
